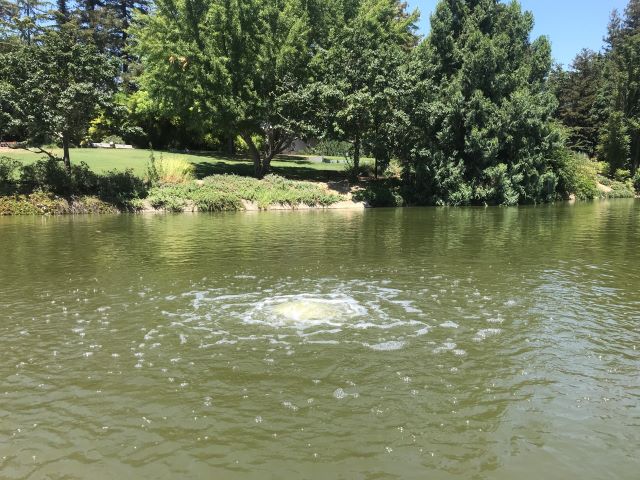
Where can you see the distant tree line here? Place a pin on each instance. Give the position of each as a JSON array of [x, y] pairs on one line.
[[599, 96], [474, 113]]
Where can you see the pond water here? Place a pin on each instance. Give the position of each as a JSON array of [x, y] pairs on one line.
[[481, 343]]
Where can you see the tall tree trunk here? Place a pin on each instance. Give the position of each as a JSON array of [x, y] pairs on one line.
[[66, 158], [356, 157], [231, 145], [266, 165], [255, 155]]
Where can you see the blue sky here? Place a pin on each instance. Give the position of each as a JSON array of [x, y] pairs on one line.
[[570, 24]]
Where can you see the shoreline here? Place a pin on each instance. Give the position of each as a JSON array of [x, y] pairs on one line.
[[94, 206]]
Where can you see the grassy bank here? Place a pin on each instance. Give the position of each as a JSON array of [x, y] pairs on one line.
[[133, 180], [231, 192], [45, 188], [105, 160]]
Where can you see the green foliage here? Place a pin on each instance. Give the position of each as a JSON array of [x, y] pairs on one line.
[[330, 148], [8, 171], [42, 203], [479, 114], [358, 78], [227, 192], [58, 83], [240, 63], [578, 91], [118, 188], [620, 94], [636, 181], [578, 175], [614, 148], [385, 193], [616, 189], [171, 170], [622, 175], [113, 139]]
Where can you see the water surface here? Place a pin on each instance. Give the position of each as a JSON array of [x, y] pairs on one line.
[[413, 343]]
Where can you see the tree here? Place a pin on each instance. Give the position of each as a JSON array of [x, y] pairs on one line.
[[357, 75], [239, 64], [480, 111], [620, 93], [58, 82], [577, 91]]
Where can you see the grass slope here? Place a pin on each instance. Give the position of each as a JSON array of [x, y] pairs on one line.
[[103, 160]]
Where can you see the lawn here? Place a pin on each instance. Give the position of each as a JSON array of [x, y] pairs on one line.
[[102, 160]]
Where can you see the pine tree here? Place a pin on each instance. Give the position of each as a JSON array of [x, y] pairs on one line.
[[578, 91], [620, 93], [481, 110]]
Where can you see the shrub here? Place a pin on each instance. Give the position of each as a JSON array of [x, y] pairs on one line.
[[82, 180], [8, 170], [622, 175], [497, 186], [48, 175], [171, 170], [394, 169], [636, 181], [385, 193], [121, 188], [43, 203], [578, 175], [227, 192]]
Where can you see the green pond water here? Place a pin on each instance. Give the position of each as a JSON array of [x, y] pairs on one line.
[[480, 343]]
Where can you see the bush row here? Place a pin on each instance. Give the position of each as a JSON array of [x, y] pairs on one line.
[[227, 192], [42, 203], [118, 188]]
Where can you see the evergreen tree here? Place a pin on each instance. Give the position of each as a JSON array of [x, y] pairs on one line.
[[620, 93], [578, 91], [480, 113]]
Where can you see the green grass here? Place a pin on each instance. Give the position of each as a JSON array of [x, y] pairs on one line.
[[102, 160]]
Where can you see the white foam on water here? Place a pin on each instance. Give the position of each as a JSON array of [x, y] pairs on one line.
[[339, 393], [305, 310], [449, 324], [486, 333], [387, 346], [422, 331], [445, 347]]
